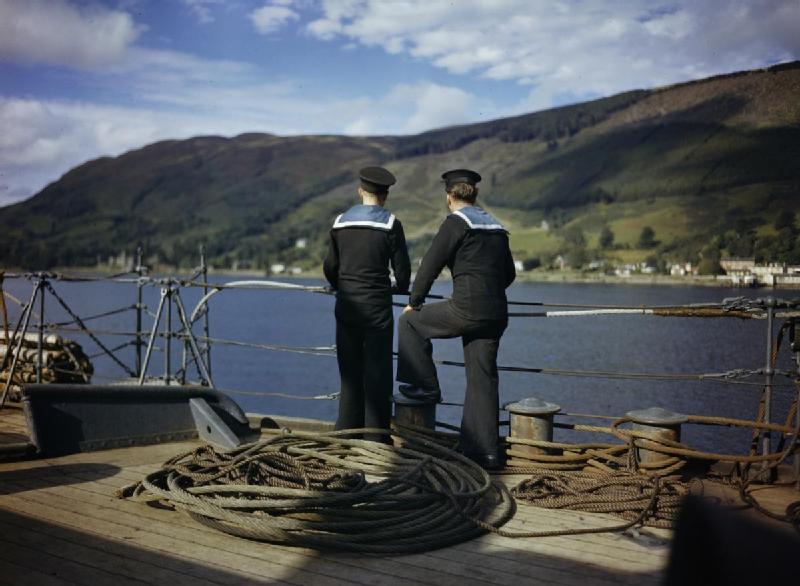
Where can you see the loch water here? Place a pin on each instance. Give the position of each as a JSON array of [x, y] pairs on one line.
[[608, 343]]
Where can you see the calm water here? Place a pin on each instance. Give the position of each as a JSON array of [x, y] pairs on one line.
[[605, 343]]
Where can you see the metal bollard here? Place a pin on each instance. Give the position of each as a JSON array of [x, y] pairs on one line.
[[532, 419], [659, 423], [414, 413]]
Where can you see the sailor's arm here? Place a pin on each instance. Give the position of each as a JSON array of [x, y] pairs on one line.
[[511, 272], [442, 248], [401, 265], [331, 264]]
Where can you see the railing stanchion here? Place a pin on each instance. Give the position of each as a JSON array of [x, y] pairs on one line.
[[19, 335], [168, 334], [794, 338], [139, 308], [766, 438], [206, 335], [40, 341], [153, 334], [191, 342]]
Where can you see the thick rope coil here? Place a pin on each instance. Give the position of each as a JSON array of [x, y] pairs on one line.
[[331, 491], [651, 501]]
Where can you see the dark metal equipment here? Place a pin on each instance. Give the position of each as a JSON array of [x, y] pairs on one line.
[[532, 419], [414, 413], [65, 419], [660, 424]]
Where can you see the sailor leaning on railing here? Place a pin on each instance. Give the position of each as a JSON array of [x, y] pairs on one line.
[[474, 246], [364, 242]]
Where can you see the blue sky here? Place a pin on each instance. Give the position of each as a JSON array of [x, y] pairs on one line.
[[81, 79]]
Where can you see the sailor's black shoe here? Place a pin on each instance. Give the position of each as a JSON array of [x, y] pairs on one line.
[[418, 394]]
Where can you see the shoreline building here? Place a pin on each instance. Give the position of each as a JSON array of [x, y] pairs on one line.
[[744, 272]]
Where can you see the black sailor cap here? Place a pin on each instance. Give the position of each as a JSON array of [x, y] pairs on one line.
[[376, 179], [460, 176]]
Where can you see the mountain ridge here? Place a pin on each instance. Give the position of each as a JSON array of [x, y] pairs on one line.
[[662, 156]]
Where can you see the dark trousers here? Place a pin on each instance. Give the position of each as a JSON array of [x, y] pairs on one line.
[[481, 339], [365, 367]]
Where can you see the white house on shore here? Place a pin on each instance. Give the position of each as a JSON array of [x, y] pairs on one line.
[[745, 272]]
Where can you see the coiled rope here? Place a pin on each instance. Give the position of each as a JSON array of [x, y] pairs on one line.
[[315, 490], [651, 501]]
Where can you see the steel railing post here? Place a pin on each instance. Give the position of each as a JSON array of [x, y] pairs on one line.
[[206, 335], [168, 334], [40, 284], [769, 373], [139, 308]]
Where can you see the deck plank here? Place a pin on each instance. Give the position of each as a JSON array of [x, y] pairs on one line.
[[162, 539], [85, 482], [12, 574], [13, 430], [163, 523], [48, 561], [106, 554], [594, 548], [61, 508], [101, 488]]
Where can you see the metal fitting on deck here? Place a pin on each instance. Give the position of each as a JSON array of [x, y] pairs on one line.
[[532, 419], [414, 413], [660, 424]]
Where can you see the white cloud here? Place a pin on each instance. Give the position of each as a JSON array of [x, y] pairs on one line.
[[271, 18], [412, 108], [201, 9], [57, 32], [674, 26], [433, 105], [561, 52], [572, 48], [9, 195], [42, 139]]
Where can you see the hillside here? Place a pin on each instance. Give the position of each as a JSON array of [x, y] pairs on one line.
[[711, 166]]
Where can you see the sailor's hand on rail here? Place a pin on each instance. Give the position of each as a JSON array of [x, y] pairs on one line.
[[407, 308]]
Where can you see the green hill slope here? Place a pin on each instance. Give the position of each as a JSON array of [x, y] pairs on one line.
[[708, 165]]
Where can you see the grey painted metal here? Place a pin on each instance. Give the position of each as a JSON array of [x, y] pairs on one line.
[[768, 374], [657, 416], [794, 338], [73, 418], [86, 330], [532, 406], [532, 419], [151, 342], [184, 357], [211, 427], [168, 335], [206, 318], [139, 308], [192, 342], [170, 294], [660, 424], [40, 340], [24, 320], [415, 413]]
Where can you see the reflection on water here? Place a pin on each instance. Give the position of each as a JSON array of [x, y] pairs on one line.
[[600, 343]]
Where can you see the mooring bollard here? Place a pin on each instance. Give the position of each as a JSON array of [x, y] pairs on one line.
[[414, 413], [531, 419], [660, 424]]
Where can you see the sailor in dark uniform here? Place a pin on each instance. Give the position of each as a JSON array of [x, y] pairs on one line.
[[364, 242], [474, 246]]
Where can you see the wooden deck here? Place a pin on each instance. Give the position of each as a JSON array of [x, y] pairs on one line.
[[61, 524]]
